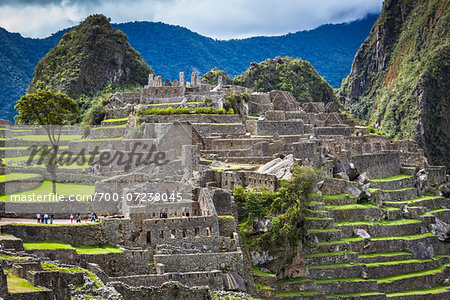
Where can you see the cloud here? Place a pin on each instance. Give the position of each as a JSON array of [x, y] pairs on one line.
[[217, 19]]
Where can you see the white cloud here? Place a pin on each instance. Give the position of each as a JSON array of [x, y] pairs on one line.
[[217, 19]]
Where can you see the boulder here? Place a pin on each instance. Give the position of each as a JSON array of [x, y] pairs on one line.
[[421, 251], [232, 281], [421, 179], [262, 225], [441, 230], [351, 189], [361, 233], [260, 258]]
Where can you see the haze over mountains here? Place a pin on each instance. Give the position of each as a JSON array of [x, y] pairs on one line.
[[170, 49]]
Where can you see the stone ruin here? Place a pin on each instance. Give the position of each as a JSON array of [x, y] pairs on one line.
[[196, 242]]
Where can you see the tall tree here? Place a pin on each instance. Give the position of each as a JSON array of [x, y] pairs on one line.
[[51, 111]]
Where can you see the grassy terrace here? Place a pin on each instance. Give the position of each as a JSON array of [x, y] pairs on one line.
[[116, 120], [365, 294], [52, 267], [380, 222], [109, 127], [345, 240], [220, 169], [400, 189], [19, 285], [386, 254], [434, 290], [344, 265], [296, 293], [356, 279], [289, 280], [392, 178], [415, 199], [80, 249], [45, 188], [338, 196], [257, 272], [18, 176], [329, 254], [403, 237], [393, 278], [397, 262], [40, 138], [351, 206]]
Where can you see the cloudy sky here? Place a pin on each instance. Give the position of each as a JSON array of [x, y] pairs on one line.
[[223, 19]]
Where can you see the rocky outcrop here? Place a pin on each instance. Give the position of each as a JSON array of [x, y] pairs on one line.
[[399, 79]]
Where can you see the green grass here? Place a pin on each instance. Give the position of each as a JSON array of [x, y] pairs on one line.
[[392, 178], [12, 258], [338, 196], [88, 249], [390, 279], [260, 286], [346, 240], [357, 279], [386, 254], [379, 222], [19, 285], [116, 120], [46, 245], [296, 293], [257, 272], [45, 188], [344, 265], [40, 138], [52, 267], [354, 294], [322, 230], [438, 210], [400, 189], [328, 254], [403, 237], [350, 206], [225, 217], [397, 262], [221, 124], [18, 176], [220, 169], [434, 290]]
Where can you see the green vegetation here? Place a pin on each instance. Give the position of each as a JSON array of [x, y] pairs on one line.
[[116, 120], [45, 188], [260, 286], [233, 102], [296, 293], [18, 176], [287, 74], [285, 207], [338, 196], [379, 222], [392, 178], [356, 279], [344, 265], [362, 294], [12, 258], [88, 249], [226, 217], [413, 67], [212, 77], [386, 254], [288, 280], [221, 169], [430, 291], [390, 279], [350, 206], [46, 245], [397, 262], [257, 272], [403, 237], [18, 285], [53, 267]]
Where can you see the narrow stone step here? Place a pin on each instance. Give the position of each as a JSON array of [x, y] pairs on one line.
[[333, 271], [330, 258], [430, 202], [384, 256], [324, 235], [339, 199], [319, 223], [413, 281], [382, 227], [391, 268], [393, 182], [346, 285], [400, 194]]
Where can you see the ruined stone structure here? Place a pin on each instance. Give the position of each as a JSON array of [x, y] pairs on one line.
[[396, 242]]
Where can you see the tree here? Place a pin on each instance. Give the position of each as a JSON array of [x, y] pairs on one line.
[[51, 111]]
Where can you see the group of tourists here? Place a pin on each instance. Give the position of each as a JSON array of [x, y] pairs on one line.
[[78, 218], [45, 218]]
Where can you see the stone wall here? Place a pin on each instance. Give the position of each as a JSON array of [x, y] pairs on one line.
[[3, 284], [319, 131], [211, 129], [162, 94], [227, 226], [378, 165], [71, 234], [222, 201], [200, 261], [307, 152], [107, 132], [193, 118], [248, 179], [280, 127]]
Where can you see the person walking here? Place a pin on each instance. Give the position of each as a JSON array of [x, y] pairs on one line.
[[46, 218], [38, 218], [93, 217], [71, 218], [42, 218], [52, 216], [78, 218]]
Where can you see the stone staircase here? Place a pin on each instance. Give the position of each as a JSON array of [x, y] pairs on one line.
[[344, 266]]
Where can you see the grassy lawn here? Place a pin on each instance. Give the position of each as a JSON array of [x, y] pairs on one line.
[[45, 188], [392, 178], [40, 138], [19, 285], [46, 245], [87, 249], [434, 290], [17, 176]]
